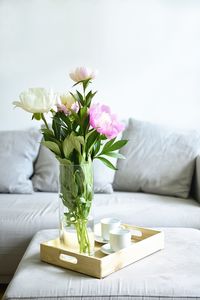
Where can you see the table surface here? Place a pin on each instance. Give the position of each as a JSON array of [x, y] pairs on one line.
[[173, 273]]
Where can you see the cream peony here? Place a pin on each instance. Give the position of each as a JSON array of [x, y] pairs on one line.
[[36, 100], [67, 103], [82, 73], [67, 100]]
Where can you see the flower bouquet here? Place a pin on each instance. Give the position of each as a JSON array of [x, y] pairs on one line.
[[81, 131]]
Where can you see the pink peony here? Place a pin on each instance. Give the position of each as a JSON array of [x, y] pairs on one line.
[[104, 121], [82, 73], [75, 107], [63, 108]]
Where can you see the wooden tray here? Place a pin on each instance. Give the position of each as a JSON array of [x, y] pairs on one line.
[[101, 265]]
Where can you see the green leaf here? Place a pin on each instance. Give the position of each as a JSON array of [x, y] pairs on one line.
[[73, 96], [83, 113], [77, 83], [52, 146], [80, 97], [108, 145], [67, 146], [74, 187], [64, 120], [79, 181], [91, 138], [70, 143], [85, 125], [56, 127], [81, 139], [106, 162], [96, 149], [117, 145], [76, 117], [89, 98], [82, 200], [51, 138], [62, 126], [76, 144], [115, 155], [63, 133], [86, 83], [48, 135], [63, 161], [103, 137], [47, 131], [67, 198]]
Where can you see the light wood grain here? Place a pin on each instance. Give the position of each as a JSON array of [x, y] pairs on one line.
[[101, 265]]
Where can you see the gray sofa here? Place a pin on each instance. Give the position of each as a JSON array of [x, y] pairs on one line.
[[22, 214]]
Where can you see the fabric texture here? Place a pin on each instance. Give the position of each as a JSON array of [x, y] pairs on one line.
[[158, 160], [21, 216], [18, 151], [46, 173], [46, 170], [172, 273], [103, 177]]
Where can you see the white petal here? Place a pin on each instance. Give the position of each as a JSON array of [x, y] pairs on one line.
[[72, 76]]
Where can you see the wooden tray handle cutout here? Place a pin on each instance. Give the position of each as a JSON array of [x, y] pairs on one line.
[[68, 258], [137, 233], [134, 232]]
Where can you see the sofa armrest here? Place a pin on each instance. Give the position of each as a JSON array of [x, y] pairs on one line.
[[196, 180]]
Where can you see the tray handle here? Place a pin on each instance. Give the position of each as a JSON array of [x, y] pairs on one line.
[[68, 259]]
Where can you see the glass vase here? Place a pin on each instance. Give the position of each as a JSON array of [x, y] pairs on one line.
[[76, 194]]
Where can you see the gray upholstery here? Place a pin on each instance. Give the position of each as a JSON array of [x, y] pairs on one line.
[[172, 273], [158, 160], [18, 151], [45, 177], [21, 216], [148, 210]]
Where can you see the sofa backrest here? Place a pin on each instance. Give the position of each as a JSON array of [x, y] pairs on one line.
[[159, 159]]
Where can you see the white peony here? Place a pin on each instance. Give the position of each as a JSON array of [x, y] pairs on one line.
[[36, 100], [82, 73]]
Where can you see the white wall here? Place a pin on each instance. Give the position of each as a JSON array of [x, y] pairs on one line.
[[147, 52]]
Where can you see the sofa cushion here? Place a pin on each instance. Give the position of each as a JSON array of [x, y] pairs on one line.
[[158, 160], [142, 209], [18, 151], [46, 172], [21, 216]]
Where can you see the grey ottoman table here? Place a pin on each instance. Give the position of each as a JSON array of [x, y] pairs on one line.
[[173, 273]]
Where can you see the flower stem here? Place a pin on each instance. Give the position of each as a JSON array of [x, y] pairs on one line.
[[84, 91], [83, 237], [45, 122]]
